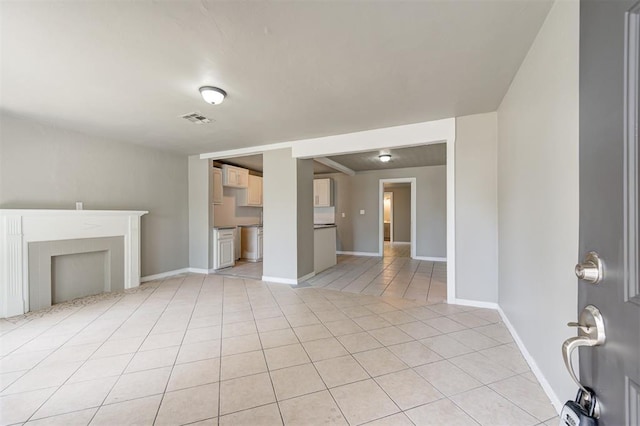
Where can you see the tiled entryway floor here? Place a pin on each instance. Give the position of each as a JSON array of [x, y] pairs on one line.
[[217, 350], [243, 269], [397, 249], [389, 276]]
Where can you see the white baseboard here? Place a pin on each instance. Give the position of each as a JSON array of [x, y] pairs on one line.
[[306, 277], [164, 275], [359, 253], [431, 259], [400, 242], [290, 281], [475, 303], [199, 270], [557, 403]]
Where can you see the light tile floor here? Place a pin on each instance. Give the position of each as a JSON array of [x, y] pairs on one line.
[[210, 350], [389, 276], [397, 249], [243, 269]]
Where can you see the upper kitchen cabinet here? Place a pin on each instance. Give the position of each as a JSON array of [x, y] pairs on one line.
[[251, 196], [235, 177], [215, 185], [322, 193]]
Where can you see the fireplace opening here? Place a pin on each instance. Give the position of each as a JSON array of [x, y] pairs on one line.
[[79, 275], [64, 270]]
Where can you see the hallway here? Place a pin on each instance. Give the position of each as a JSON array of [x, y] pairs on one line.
[[397, 249]]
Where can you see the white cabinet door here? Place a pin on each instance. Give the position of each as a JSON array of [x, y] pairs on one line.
[[235, 177], [260, 244], [216, 186], [254, 193], [252, 196], [322, 193], [231, 175], [226, 253], [242, 179]]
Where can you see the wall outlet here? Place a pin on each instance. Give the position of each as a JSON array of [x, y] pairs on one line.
[[79, 205], [361, 211]]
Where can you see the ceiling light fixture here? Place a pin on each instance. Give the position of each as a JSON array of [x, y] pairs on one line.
[[212, 95], [385, 158]]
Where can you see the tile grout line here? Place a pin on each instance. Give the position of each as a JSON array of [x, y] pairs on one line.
[[181, 341], [98, 348], [314, 367]]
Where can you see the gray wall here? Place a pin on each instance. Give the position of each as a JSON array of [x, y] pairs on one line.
[[538, 194], [401, 213], [288, 215], [47, 167], [477, 207], [200, 253], [304, 202], [360, 233]]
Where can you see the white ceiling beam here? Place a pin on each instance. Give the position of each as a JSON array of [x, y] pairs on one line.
[[335, 165], [241, 152]]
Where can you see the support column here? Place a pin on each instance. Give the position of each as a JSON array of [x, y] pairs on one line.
[[200, 257], [288, 217]]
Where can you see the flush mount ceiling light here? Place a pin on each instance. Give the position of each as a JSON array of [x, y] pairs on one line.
[[212, 95], [385, 158]]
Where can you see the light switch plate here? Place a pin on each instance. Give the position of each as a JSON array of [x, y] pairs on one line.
[[344, 215], [361, 211]]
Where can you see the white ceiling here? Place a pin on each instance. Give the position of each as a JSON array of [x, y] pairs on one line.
[[254, 162], [293, 70], [416, 156]]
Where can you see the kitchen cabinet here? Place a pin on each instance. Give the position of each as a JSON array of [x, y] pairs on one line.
[[215, 185], [252, 243], [235, 177], [322, 193], [223, 247], [251, 196]]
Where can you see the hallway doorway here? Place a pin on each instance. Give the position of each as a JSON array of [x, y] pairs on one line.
[[397, 217]]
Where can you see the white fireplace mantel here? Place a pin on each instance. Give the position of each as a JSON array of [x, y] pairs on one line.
[[20, 227]]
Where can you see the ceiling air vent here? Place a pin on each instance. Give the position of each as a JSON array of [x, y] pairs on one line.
[[197, 118]]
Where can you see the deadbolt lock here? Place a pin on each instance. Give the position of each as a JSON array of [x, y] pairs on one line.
[[592, 269]]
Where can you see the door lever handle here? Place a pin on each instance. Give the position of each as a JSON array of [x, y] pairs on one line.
[[582, 327], [591, 333], [567, 348]]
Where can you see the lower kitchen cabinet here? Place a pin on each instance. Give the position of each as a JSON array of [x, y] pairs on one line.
[[223, 248], [251, 243]]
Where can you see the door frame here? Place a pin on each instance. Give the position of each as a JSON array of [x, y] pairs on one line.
[[412, 181], [390, 217]]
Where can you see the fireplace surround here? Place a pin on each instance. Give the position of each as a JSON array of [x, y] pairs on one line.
[[19, 228]]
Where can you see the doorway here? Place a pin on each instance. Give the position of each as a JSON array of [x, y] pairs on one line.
[[399, 207], [396, 219], [387, 218]]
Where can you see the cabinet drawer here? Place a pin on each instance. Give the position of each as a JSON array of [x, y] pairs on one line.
[[225, 233]]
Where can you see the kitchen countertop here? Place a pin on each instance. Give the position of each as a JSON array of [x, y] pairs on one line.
[[225, 227], [323, 226], [255, 225]]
